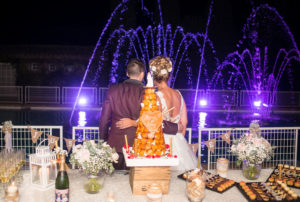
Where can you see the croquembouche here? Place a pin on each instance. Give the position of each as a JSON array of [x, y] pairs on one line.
[[149, 139]]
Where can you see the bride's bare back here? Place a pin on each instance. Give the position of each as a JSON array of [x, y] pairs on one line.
[[169, 98], [172, 99]]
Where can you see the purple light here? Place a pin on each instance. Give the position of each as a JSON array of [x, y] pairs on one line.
[[265, 105], [82, 119], [82, 101], [202, 119], [256, 114], [257, 103], [203, 102]]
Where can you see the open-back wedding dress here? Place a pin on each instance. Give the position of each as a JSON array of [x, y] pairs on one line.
[[187, 159]]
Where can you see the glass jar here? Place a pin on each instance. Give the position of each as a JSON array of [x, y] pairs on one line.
[[94, 183], [154, 193], [251, 171], [195, 186]]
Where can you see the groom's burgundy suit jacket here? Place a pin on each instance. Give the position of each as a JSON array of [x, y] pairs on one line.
[[124, 101]]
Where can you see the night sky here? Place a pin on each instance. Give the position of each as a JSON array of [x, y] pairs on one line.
[[69, 22]]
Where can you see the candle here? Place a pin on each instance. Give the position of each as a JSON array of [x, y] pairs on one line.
[[126, 142], [53, 168], [41, 173], [110, 197], [222, 166], [12, 189], [280, 171], [11, 193], [199, 161], [171, 151]]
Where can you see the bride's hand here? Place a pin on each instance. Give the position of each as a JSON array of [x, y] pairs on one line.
[[126, 123]]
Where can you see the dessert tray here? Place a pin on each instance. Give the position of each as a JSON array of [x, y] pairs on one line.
[[213, 182], [290, 175], [258, 191]]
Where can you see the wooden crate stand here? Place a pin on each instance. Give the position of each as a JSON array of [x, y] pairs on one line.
[[142, 177]]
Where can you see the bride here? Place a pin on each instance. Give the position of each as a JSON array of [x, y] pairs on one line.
[[161, 67]]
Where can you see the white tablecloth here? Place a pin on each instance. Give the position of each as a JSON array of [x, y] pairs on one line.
[[119, 184]]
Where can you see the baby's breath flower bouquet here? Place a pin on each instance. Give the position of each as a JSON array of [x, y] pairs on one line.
[[7, 126], [252, 150], [94, 157], [7, 129]]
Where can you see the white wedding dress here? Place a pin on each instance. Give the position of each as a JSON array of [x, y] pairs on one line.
[[187, 158]]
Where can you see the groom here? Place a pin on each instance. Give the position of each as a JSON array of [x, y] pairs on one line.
[[124, 100]]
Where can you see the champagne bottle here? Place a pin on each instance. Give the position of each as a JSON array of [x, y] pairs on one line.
[[62, 182]]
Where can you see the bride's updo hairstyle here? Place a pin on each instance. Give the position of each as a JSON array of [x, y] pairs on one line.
[[161, 67]]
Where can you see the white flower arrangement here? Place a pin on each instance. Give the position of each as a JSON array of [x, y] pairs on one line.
[[60, 151], [7, 126], [163, 71], [252, 148], [94, 157]]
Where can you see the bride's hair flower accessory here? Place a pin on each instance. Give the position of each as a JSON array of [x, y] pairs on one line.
[[163, 71], [161, 67]]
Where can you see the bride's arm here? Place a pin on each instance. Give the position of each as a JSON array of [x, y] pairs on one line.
[[183, 118], [126, 123]]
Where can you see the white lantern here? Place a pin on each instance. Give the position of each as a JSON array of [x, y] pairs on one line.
[[43, 168]]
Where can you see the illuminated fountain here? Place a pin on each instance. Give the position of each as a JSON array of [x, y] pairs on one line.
[[115, 47], [262, 60], [257, 66]]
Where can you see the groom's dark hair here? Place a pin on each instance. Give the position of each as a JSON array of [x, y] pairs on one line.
[[135, 67]]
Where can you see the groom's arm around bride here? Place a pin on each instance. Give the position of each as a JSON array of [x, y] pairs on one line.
[[123, 101]]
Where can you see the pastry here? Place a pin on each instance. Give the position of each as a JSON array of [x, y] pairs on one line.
[[149, 139], [252, 196], [290, 182], [297, 184], [294, 196]]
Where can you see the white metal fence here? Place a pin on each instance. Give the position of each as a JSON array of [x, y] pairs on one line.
[[85, 133], [284, 139], [92, 133], [21, 137], [11, 94], [42, 94]]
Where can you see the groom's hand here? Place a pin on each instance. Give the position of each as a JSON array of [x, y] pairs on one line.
[[126, 123], [180, 127]]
